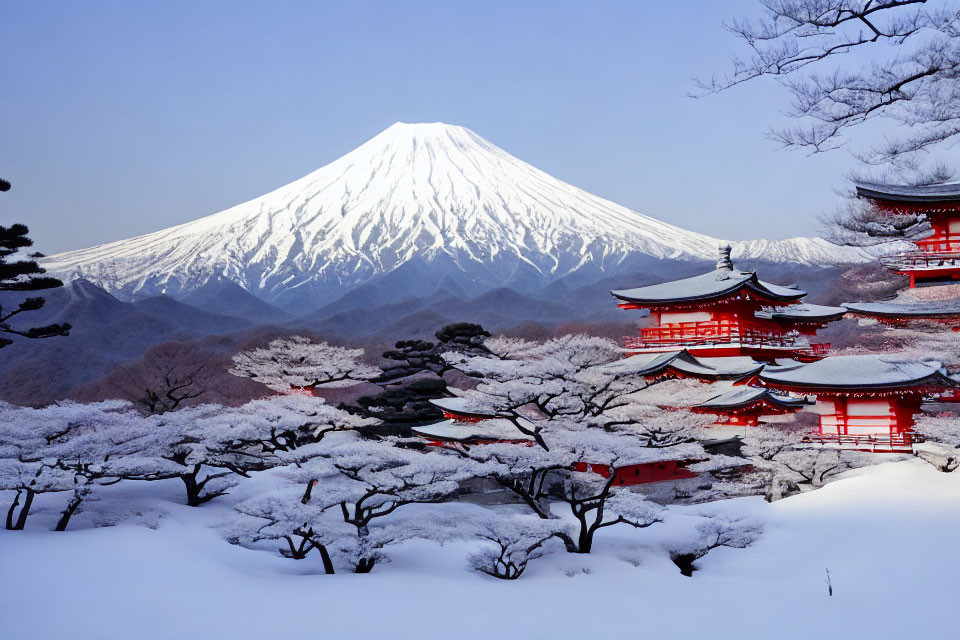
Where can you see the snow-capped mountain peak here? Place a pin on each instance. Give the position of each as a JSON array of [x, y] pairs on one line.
[[434, 193]]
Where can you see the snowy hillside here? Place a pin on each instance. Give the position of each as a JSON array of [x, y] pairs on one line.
[[434, 194], [886, 533]]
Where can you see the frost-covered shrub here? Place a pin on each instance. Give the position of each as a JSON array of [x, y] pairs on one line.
[[515, 540], [340, 497], [717, 531]]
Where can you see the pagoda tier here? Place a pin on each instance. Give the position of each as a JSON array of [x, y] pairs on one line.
[[746, 405], [727, 312], [938, 256], [865, 403], [682, 364], [467, 425], [903, 313]]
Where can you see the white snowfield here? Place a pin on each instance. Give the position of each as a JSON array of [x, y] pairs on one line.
[[425, 191], [886, 533]]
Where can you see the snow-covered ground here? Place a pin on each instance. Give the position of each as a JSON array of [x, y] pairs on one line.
[[887, 533]]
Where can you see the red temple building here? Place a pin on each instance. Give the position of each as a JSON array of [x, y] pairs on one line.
[[866, 402], [902, 314], [682, 364], [727, 312], [744, 406], [937, 257]]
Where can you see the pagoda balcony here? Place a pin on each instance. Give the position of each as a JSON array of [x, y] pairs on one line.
[[708, 334], [903, 441], [922, 261]]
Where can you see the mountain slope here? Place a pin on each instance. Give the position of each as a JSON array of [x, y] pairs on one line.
[[433, 194], [105, 332]]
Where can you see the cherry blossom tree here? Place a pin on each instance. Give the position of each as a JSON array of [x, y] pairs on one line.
[[212, 446], [341, 497], [513, 541], [299, 363], [589, 414], [70, 447]]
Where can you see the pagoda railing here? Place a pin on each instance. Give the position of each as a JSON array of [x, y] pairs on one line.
[[712, 332], [903, 439], [921, 260]]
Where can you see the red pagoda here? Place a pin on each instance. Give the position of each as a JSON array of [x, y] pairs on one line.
[[727, 312], [865, 402], [937, 257], [744, 406]]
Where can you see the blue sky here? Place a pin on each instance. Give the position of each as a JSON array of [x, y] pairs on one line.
[[120, 118]]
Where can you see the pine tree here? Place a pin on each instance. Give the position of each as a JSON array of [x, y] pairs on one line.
[[23, 275]]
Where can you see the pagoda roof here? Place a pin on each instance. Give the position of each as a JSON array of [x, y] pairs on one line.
[[746, 396], [934, 309], [463, 407], [861, 372], [714, 285], [803, 312], [458, 431], [907, 193], [683, 363]]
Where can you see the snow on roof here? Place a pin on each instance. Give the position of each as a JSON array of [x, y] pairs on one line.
[[706, 286], [747, 395], [646, 455], [865, 371], [934, 309], [647, 364], [907, 193], [495, 429], [461, 406], [803, 311]]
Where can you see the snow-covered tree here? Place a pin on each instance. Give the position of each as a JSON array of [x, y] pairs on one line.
[[70, 447], [714, 532], [513, 541], [210, 445], [589, 416], [299, 363], [859, 223], [340, 499], [784, 465]]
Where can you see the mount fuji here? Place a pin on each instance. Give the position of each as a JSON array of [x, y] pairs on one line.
[[419, 206]]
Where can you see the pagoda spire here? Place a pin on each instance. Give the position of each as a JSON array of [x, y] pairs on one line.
[[724, 263]]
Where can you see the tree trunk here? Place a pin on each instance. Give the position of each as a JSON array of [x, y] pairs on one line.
[[24, 510], [327, 562], [13, 507], [365, 565], [684, 562], [193, 489], [67, 513], [585, 539]]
